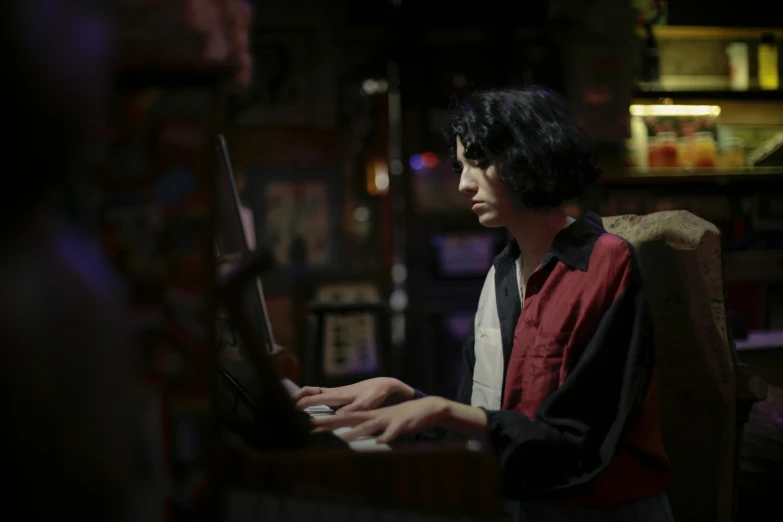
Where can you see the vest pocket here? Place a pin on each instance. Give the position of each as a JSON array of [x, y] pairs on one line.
[[542, 369]]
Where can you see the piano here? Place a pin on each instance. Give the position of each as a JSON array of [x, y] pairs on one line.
[[362, 444], [271, 466]]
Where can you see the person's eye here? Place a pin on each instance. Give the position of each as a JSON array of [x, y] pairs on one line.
[[457, 167], [483, 164]]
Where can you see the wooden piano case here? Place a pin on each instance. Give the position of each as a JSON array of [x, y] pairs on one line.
[[413, 482], [420, 483]]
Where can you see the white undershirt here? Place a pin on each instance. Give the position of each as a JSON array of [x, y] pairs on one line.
[[489, 368]]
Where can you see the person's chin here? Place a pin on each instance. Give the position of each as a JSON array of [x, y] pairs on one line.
[[489, 220]]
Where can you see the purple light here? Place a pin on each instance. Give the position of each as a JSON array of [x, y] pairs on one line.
[[416, 162]]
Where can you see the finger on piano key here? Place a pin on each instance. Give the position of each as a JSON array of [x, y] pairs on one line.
[[319, 409]]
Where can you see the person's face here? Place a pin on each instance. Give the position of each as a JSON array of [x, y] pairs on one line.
[[488, 195]]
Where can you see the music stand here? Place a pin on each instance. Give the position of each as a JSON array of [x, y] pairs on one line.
[[241, 293]]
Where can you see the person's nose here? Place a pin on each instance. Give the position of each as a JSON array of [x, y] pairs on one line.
[[466, 184]]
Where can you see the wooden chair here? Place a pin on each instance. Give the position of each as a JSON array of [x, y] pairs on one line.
[[705, 393]]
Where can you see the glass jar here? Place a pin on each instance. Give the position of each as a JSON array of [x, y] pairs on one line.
[[667, 143], [734, 152], [704, 150], [687, 153]]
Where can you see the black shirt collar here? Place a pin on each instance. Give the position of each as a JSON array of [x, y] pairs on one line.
[[572, 245]]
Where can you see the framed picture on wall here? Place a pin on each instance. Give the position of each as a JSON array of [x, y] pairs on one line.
[[298, 215]]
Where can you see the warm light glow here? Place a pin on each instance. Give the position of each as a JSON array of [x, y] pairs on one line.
[[382, 182], [675, 110], [377, 178]]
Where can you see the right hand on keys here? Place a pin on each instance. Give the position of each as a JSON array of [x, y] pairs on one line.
[[362, 396]]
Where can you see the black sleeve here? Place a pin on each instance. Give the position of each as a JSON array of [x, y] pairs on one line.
[[464, 391], [576, 429]]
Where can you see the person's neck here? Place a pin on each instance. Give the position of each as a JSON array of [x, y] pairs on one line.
[[534, 232]]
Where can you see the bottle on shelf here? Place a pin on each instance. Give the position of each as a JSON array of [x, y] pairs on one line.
[[738, 66], [651, 61], [638, 144], [651, 14], [769, 78]]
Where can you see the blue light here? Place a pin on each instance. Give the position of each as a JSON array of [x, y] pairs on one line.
[[416, 162]]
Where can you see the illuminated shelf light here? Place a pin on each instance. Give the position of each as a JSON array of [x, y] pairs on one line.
[[675, 110]]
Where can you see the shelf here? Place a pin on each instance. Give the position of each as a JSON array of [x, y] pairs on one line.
[[690, 32], [720, 176], [756, 95]]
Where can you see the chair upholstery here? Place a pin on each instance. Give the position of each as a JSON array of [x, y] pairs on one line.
[[699, 377]]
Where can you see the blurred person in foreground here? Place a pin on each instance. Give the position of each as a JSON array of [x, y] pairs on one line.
[[559, 362], [70, 432]]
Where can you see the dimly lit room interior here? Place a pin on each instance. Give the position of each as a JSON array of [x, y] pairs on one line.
[[249, 274]]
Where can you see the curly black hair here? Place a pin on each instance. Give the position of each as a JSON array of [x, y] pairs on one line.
[[543, 156]]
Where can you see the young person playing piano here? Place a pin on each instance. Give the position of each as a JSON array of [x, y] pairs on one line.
[[560, 358]]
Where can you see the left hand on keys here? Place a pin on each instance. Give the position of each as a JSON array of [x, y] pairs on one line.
[[408, 417]]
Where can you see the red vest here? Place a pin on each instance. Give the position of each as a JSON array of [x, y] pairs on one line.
[[562, 312]]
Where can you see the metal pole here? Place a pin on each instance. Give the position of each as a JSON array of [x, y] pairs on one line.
[[399, 272]]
